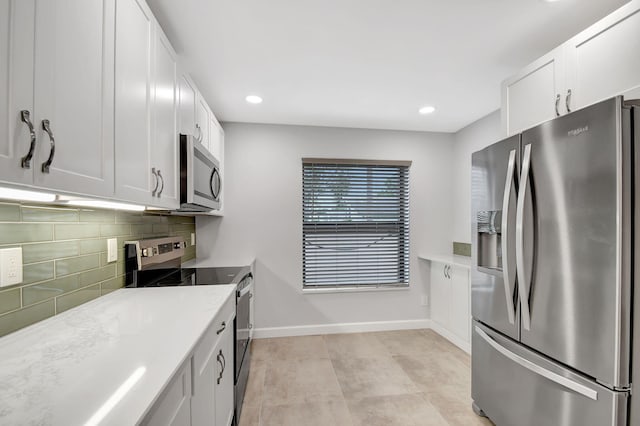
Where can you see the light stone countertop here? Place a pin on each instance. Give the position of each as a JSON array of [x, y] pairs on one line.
[[106, 361], [453, 259]]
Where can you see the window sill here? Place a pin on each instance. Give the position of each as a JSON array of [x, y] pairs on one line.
[[351, 289]]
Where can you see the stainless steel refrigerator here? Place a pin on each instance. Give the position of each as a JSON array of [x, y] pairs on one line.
[[552, 275]]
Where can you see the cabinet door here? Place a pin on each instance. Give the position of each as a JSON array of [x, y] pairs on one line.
[[529, 97], [187, 106], [164, 149], [202, 121], [440, 294], [17, 31], [74, 78], [216, 138], [603, 61], [134, 34], [460, 317], [173, 407], [225, 371], [204, 376]]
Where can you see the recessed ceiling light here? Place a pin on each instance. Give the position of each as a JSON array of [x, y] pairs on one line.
[[253, 99], [428, 109]]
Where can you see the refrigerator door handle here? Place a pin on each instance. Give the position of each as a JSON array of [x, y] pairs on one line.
[[508, 279], [522, 287], [535, 368]]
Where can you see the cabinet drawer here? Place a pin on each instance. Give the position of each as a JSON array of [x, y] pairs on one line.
[[222, 322]]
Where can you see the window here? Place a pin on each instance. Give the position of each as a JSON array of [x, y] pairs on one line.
[[355, 223]]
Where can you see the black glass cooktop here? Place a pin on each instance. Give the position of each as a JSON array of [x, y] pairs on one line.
[[188, 276]]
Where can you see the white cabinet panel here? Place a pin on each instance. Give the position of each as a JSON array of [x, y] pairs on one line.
[[164, 151], [531, 96], [134, 36], [17, 31], [202, 121], [187, 106], [460, 316], [74, 77], [173, 407], [225, 371], [216, 138], [604, 60], [440, 294]]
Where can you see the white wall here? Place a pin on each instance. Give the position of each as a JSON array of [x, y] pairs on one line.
[[472, 138], [263, 209]]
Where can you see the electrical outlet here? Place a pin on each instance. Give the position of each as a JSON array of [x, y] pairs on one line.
[[10, 266], [193, 239], [112, 250], [425, 300]]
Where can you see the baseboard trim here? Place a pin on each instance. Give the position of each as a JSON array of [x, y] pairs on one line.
[[354, 327], [359, 327], [465, 346]]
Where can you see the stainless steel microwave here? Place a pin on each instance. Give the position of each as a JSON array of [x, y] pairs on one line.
[[200, 180]]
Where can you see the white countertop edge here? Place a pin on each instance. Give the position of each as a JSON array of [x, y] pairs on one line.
[[213, 263], [453, 259]]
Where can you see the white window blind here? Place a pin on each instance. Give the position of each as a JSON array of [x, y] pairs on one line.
[[355, 223]]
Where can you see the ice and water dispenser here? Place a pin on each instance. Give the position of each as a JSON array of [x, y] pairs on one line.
[[489, 239]]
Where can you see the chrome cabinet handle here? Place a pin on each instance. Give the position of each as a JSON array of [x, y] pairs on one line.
[[522, 289], [567, 100], [558, 105], [506, 199], [155, 188], [535, 368], [46, 126], [25, 116], [199, 138], [444, 271], [161, 180], [449, 271], [221, 329], [223, 364]]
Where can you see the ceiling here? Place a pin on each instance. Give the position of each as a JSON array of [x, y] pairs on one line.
[[365, 63]]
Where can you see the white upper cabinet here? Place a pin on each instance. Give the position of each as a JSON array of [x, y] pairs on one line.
[[534, 94], [187, 107], [604, 60], [164, 150], [202, 121], [17, 31], [74, 96], [216, 138], [134, 35], [146, 109], [597, 64]]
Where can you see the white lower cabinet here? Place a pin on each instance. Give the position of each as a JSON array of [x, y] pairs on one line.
[[173, 406], [208, 390], [225, 371], [450, 296]]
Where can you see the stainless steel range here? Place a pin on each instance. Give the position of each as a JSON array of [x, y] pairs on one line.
[[157, 263]]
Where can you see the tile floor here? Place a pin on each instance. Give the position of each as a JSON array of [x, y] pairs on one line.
[[404, 378]]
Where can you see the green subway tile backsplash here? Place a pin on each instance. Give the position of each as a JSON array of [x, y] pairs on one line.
[[64, 251], [71, 300], [26, 316], [462, 249]]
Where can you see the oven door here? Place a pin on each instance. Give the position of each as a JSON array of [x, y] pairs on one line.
[[200, 180], [243, 314]]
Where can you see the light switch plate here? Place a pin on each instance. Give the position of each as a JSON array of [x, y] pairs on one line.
[[425, 300], [10, 266], [112, 250], [193, 239]]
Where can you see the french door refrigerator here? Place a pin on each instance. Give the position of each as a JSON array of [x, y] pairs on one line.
[[552, 275]]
